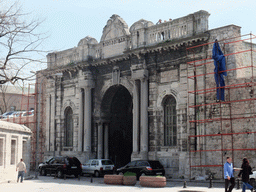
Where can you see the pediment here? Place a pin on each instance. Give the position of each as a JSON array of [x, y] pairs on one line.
[[115, 27]]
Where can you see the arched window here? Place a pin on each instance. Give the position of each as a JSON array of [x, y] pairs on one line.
[[138, 38], [68, 127], [170, 122]]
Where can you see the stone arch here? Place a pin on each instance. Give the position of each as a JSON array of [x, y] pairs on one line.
[[116, 111], [87, 40], [165, 93], [142, 23], [123, 82], [107, 99], [70, 104]]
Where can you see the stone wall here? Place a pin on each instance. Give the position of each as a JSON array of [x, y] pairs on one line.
[[239, 106], [158, 55]]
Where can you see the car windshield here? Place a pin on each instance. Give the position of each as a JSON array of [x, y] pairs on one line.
[[131, 164], [73, 161], [50, 160], [8, 113], [142, 163], [155, 164], [107, 162]]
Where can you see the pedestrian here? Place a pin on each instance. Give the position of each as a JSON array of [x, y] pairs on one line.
[[245, 171], [229, 175], [21, 166]]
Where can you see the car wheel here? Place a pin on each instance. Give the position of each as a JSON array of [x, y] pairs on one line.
[[59, 174], [43, 172], [96, 173], [252, 182]]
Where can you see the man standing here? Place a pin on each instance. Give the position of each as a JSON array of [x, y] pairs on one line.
[[22, 169], [229, 175]]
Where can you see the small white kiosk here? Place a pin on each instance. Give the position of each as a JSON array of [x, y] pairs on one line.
[[14, 145]]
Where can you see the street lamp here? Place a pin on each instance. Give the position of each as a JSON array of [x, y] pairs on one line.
[[38, 121]]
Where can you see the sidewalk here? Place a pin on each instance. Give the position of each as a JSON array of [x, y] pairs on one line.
[[49, 184], [172, 185], [72, 184]]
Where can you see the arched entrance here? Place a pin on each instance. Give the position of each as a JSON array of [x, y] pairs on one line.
[[117, 110]]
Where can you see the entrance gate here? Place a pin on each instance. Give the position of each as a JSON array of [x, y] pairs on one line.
[[117, 109]]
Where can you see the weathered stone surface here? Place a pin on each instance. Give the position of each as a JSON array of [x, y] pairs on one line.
[[131, 73]]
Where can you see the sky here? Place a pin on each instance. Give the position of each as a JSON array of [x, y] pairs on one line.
[[68, 21]]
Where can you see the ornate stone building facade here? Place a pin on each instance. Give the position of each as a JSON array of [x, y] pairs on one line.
[[126, 97]]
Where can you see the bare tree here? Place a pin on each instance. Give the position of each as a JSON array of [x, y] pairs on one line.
[[20, 43], [3, 103]]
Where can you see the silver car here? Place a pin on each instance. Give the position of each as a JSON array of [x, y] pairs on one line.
[[98, 167], [253, 179]]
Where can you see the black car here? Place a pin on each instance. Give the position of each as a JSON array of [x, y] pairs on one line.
[[142, 168], [61, 166]]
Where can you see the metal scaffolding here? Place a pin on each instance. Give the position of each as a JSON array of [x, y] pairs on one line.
[[28, 101], [217, 128]]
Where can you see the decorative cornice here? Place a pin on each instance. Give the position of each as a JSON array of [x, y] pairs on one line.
[[139, 52]]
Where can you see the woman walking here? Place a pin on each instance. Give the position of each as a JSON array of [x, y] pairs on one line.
[[245, 172]]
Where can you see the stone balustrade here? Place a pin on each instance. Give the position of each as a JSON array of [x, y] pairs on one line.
[[117, 38]]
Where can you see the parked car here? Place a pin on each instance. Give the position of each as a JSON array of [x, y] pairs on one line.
[[6, 114], [253, 179], [60, 166], [98, 167], [15, 114], [142, 168], [18, 113], [27, 113]]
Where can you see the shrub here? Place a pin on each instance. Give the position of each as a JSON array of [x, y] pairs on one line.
[[129, 174]]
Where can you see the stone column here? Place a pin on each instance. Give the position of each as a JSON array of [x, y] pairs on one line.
[[140, 112], [80, 126], [136, 115], [86, 81], [144, 118], [7, 157], [19, 148], [52, 123], [48, 113], [59, 135], [106, 156], [87, 119], [100, 140]]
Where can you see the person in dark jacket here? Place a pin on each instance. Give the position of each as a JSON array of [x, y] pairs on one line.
[[245, 172]]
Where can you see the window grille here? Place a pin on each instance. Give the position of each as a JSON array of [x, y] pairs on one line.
[[170, 122]]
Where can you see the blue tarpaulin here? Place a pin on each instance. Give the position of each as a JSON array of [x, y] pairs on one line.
[[220, 65]]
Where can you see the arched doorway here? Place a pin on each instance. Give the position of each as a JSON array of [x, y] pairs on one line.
[[117, 110]]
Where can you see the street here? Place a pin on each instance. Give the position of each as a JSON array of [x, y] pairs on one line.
[[71, 184]]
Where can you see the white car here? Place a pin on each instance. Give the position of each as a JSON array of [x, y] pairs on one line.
[[98, 167], [253, 179], [6, 114]]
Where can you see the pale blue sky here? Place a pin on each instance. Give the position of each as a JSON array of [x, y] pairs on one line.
[[68, 21]]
